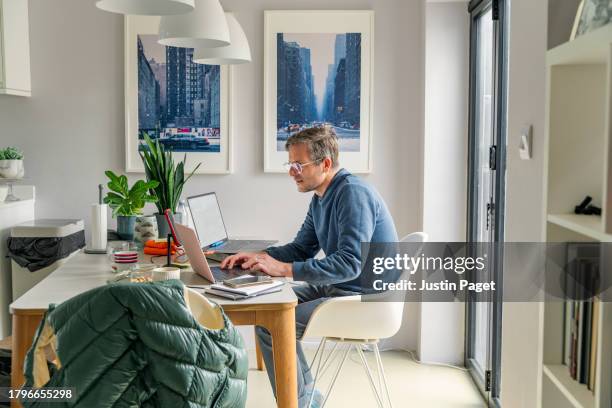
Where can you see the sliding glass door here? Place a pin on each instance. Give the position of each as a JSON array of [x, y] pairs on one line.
[[486, 186]]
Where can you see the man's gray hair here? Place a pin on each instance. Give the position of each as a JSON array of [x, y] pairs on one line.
[[321, 142]]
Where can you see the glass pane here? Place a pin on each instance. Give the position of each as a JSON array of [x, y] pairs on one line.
[[483, 176]]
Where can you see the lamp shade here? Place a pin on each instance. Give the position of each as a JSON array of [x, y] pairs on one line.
[[206, 26], [147, 7], [238, 52]]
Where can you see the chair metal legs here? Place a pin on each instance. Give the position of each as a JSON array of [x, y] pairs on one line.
[[366, 367], [381, 370], [335, 377], [380, 392]]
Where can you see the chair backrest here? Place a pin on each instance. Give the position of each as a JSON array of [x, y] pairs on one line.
[[352, 317], [203, 310], [416, 237], [396, 309]]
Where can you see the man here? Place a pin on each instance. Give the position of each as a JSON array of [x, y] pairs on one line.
[[343, 213]]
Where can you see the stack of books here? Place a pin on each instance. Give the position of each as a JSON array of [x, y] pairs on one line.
[[223, 290], [581, 327]]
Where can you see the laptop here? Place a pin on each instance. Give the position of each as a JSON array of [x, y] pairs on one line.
[[210, 228], [198, 261]]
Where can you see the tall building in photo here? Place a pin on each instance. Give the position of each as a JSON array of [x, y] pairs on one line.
[[339, 92], [184, 86], [206, 102], [327, 115], [215, 96], [200, 112], [148, 93], [159, 69], [310, 109], [195, 79], [295, 87], [281, 82], [176, 81], [339, 49], [292, 91], [330, 113], [158, 107], [353, 79]]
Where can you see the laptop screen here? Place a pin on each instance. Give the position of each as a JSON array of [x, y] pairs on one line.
[[207, 219]]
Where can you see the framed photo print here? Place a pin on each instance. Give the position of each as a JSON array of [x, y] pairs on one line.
[[591, 15], [318, 71], [183, 105]]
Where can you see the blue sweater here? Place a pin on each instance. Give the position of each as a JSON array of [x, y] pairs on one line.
[[349, 213]]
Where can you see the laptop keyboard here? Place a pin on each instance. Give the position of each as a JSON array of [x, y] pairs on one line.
[[236, 245]]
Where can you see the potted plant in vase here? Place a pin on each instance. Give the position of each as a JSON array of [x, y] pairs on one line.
[[160, 167], [11, 163], [126, 202]]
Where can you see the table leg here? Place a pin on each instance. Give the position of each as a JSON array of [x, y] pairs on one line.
[[258, 355], [281, 325], [24, 329]]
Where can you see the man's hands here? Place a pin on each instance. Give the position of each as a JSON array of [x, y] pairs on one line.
[[259, 261]]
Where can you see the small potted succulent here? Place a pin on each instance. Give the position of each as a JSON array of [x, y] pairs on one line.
[[126, 202], [11, 163]]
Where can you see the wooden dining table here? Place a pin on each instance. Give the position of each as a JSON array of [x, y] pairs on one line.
[[274, 311]]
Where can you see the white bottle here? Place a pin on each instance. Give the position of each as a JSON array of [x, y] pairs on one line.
[[185, 216]]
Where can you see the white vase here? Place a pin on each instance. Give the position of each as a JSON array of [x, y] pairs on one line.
[[145, 229], [12, 169]]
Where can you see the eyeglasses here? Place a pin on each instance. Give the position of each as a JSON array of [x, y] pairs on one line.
[[298, 167]]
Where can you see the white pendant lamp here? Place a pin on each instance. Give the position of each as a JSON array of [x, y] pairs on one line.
[[238, 52], [204, 27], [147, 7]]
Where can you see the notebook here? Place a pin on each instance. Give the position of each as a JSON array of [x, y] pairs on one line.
[[249, 291], [236, 296]]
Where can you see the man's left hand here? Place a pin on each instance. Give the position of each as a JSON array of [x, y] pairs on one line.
[[268, 265]]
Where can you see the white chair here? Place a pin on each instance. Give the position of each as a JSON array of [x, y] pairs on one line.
[[350, 321]]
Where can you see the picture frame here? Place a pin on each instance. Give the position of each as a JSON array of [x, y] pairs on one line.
[[591, 15], [204, 137], [339, 46]]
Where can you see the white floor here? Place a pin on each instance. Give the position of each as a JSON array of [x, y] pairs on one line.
[[411, 385]]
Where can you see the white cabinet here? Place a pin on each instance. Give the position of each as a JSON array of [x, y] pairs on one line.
[[14, 48], [11, 214]]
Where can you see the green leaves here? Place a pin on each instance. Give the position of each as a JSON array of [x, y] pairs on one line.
[[159, 166], [128, 201], [11, 153]]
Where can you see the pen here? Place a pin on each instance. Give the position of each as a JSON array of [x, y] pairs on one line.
[[216, 244]]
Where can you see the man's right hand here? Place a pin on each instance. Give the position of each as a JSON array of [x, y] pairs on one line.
[[238, 259]]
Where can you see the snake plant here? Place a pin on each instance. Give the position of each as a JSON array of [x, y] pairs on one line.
[[159, 166]]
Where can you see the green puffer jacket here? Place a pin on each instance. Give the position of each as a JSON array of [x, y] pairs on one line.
[[139, 345]]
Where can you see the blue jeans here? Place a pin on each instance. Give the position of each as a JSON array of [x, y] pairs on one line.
[[309, 297]]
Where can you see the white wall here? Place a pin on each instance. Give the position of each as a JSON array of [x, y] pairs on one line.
[[561, 15], [446, 120], [521, 324], [72, 128], [441, 331]]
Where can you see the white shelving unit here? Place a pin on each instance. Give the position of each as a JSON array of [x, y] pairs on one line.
[[575, 393], [578, 163], [590, 226], [14, 48]]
